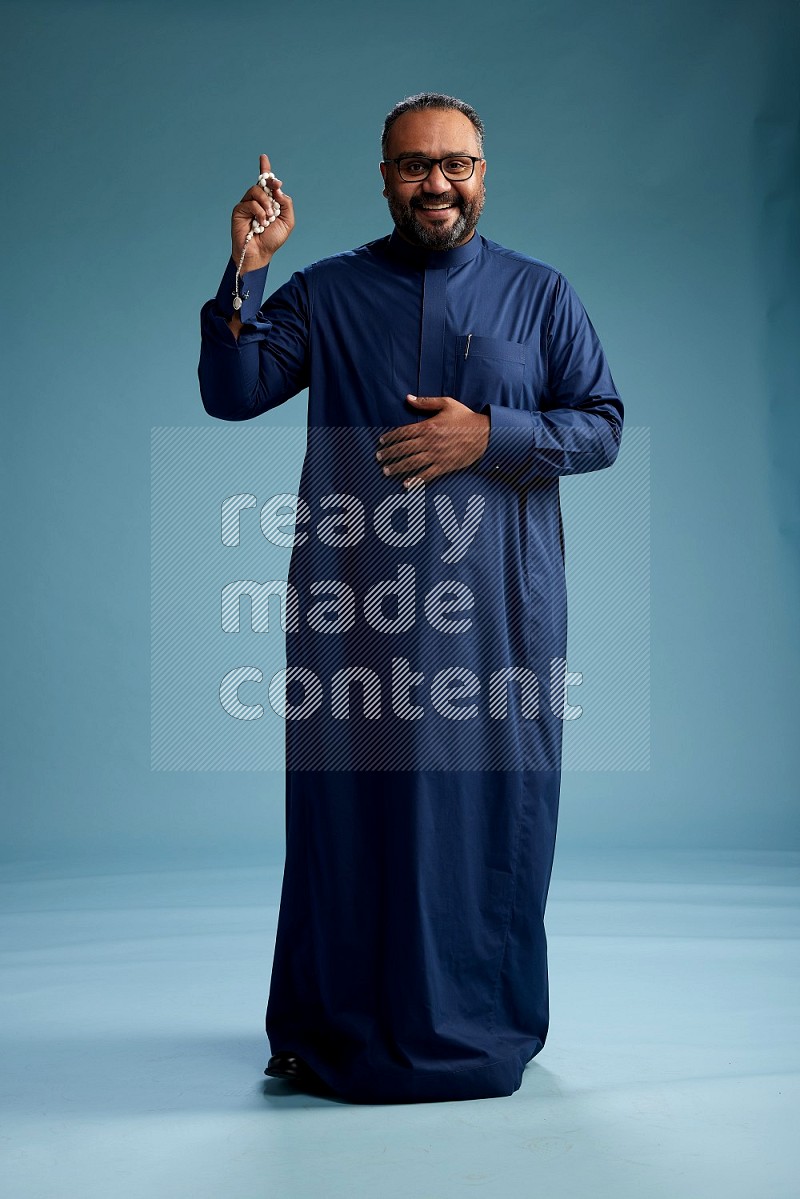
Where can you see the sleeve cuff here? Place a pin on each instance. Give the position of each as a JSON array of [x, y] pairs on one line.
[[510, 444], [252, 282]]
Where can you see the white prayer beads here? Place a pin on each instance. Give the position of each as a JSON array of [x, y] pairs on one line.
[[274, 211]]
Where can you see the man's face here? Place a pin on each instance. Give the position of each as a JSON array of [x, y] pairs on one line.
[[436, 213]]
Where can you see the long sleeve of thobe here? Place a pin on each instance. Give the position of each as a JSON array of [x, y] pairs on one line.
[[268, 363], [578, 425]]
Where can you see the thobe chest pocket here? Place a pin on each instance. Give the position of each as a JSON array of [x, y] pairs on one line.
[[489, 370]]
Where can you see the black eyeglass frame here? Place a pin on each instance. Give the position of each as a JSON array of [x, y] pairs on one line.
[[433, 162]]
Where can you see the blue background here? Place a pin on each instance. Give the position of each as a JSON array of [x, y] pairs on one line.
[[646, 150]]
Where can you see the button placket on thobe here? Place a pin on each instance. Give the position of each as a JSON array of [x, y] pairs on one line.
[[434, 308]]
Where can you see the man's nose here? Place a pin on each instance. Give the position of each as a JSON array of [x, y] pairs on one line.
[[436, 181]]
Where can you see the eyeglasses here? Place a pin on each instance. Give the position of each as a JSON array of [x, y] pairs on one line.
[[413, 168]]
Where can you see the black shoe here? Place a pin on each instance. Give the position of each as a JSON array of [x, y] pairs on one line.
[[293, 1069], [288, 1066]]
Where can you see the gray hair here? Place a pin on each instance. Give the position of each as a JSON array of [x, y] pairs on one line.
[[425, 100]]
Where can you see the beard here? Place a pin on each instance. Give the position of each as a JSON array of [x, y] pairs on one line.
[[428, 236]]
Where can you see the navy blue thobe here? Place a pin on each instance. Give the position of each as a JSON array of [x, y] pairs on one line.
[[424, 692]]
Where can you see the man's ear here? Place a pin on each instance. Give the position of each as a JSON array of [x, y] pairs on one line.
[[383, 175]]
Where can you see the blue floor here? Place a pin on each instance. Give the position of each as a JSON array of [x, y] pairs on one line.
[[132, 1017]]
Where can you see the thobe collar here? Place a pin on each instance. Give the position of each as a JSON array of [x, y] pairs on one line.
[[434, 259]]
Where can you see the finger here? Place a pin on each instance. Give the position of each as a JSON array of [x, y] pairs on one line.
[[287, 207], [257, 209], [250, 210], [256, 192], [409, 465], [430, 401], [273, 187], [401, 433], [422, 476], [274, 184], [399, 449]]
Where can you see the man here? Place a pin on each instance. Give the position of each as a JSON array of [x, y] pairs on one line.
[[451, 383]]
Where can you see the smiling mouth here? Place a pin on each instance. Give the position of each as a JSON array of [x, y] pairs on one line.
[[436, 207]]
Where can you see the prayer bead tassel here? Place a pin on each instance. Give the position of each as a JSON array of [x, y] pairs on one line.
[[273, 211]]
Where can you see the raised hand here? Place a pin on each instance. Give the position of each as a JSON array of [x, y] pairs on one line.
[[255, 204]]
